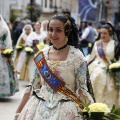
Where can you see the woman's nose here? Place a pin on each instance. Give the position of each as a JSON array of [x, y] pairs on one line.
[[53, 33]]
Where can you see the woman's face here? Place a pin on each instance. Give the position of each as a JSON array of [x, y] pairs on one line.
[[37, 26], [104, 34], [44, 26], [27, 30], [56, 33]]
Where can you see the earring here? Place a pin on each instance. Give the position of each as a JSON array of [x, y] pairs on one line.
[[66, 40]]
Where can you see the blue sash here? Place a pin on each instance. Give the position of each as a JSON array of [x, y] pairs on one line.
[[101, 52], [52, 80]]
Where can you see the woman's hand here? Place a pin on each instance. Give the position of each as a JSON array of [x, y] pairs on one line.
[[16, 116]]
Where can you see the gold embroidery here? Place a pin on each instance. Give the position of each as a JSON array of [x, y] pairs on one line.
[[66, 91], [54, 64]]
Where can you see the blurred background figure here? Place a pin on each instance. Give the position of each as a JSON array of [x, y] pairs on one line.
[[17, 31], [35, 37], [103, 53], [88, 38], [83, 25], [7, 79], [20, 52], [44, 26]]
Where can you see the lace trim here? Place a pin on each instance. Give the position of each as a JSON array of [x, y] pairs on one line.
[[74, 56]]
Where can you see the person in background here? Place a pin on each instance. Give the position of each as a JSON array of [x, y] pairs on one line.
[[7, 79], [64, 64], [20, 55], [83, 25], [88, 38], [16, 31], [104, 86], [36, 35], [44, 30], [44, 26]]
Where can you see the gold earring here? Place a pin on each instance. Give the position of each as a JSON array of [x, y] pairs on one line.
[[66, 40]]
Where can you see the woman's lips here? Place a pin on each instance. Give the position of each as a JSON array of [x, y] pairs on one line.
[[54, 39]]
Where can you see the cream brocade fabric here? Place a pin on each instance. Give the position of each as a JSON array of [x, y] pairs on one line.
[[104, 87], [53, 105]]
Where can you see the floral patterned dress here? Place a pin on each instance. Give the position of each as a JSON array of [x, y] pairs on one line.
[[45, 104], [7, 80]]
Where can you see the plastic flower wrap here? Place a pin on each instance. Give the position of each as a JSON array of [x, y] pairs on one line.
[[29, 50], [19, 47], [7, 53], [40, 46]]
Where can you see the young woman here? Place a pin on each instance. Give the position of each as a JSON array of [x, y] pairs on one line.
[[37, 35], [103, 84], [20, 55], [61, 82], [7, 80]]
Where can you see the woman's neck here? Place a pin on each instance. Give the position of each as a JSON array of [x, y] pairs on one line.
[[105, 41], [38, 32]]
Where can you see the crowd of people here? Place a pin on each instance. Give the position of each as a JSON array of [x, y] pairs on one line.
[[68, 69]]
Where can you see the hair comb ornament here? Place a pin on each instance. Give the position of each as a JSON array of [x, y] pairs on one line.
[[67, 23]]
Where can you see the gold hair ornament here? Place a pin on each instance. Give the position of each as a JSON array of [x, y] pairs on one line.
[[68, 23]]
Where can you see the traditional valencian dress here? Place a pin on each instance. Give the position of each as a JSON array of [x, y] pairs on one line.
[[46, 104], [7, 80], [104, 86], [30, 63], [20, 55]]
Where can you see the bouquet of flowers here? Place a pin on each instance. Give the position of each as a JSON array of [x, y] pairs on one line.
[[7, 53], [19, 47], [114, 67], [29, 51], [114, 70], [40, 46], [100, 111]]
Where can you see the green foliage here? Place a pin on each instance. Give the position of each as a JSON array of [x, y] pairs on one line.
[[12, 16], [35, 10]]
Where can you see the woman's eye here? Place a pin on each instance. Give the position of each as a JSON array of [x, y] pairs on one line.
[[58, 30], [50, 30]]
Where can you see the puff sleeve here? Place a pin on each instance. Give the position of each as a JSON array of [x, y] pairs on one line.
[[81, 76]]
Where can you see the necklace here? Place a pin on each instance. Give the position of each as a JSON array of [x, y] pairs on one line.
[[60, 48]]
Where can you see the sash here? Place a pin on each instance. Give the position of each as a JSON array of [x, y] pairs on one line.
[[101, 52], [1, 49], [52, 80]]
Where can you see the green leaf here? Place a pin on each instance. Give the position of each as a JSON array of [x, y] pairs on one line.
[[113, 108], [117, 111], [113, 116]]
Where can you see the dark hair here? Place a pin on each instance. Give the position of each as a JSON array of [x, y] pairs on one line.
[[70, 29], [109, 27]]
